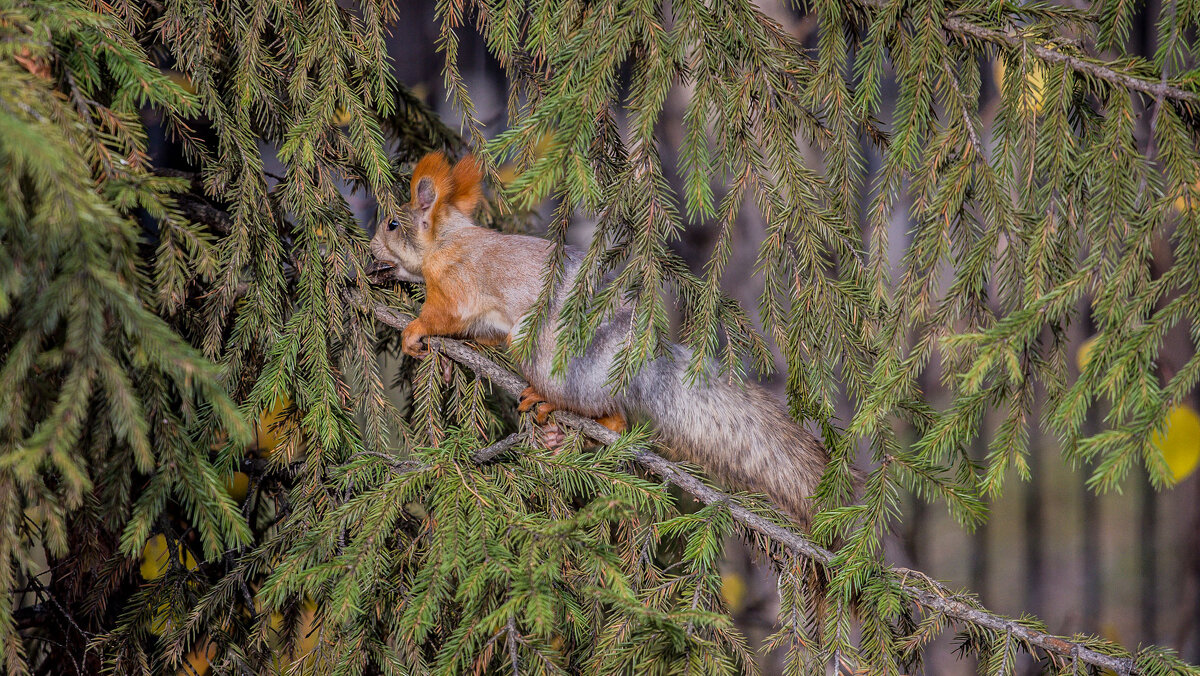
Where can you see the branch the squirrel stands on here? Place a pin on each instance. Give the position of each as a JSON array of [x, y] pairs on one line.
[[935, 597]]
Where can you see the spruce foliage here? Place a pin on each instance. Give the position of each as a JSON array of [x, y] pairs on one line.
[[150, 317]]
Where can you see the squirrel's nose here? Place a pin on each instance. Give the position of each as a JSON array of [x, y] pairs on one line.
[[377, 267]]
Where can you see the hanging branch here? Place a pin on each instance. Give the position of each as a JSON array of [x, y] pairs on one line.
[[934, 597]]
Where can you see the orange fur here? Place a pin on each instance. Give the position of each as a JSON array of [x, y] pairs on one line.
[[460, 187], [435, 167], [447, 282], [468, 189], [439, 317], [615, 422]]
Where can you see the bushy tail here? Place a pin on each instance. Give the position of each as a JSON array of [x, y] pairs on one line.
[[741, 434]]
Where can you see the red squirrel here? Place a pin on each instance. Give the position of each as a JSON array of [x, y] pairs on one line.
[[480, 283]]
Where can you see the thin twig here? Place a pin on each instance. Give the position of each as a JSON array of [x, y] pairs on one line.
[[934, 598], [483, 455], [486, 454], [972, 132], [512, 644]]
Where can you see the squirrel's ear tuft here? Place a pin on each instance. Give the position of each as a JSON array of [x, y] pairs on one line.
[[468, 189], [431, 182]]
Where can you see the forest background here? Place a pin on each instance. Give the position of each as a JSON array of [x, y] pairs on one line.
[[999, 260]]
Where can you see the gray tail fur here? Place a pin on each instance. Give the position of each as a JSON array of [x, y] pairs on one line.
[[740, 433]]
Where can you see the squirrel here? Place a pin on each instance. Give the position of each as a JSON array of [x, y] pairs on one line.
[[480, 284]]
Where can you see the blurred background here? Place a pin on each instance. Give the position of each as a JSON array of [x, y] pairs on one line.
[[1125, 565]]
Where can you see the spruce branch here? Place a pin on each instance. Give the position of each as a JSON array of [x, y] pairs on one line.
[[1008, 38], [1011, 39], [923, 590]]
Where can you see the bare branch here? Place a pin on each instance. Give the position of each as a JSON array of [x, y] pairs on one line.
[[487, 454]]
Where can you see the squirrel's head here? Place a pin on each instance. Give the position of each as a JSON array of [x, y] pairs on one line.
[[442, 200]]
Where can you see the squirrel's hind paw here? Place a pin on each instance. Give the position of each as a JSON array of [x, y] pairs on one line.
[[551, 436], [615, 422], [532, 400]]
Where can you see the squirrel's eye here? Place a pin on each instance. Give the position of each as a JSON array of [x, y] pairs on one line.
[[393, 224]]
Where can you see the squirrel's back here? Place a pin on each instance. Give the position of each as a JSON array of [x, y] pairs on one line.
[[741, 434]]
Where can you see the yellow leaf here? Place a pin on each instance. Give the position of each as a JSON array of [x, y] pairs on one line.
[[1180, 442], [184, 82], [733, 590], [1084, 355], [266, 435], [198, 659], [306, 635], [237, 485], [1033, 90], [306, 638], [1181, 204], [154, 558]]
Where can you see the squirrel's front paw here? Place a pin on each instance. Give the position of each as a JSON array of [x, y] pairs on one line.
[[414, 342]]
